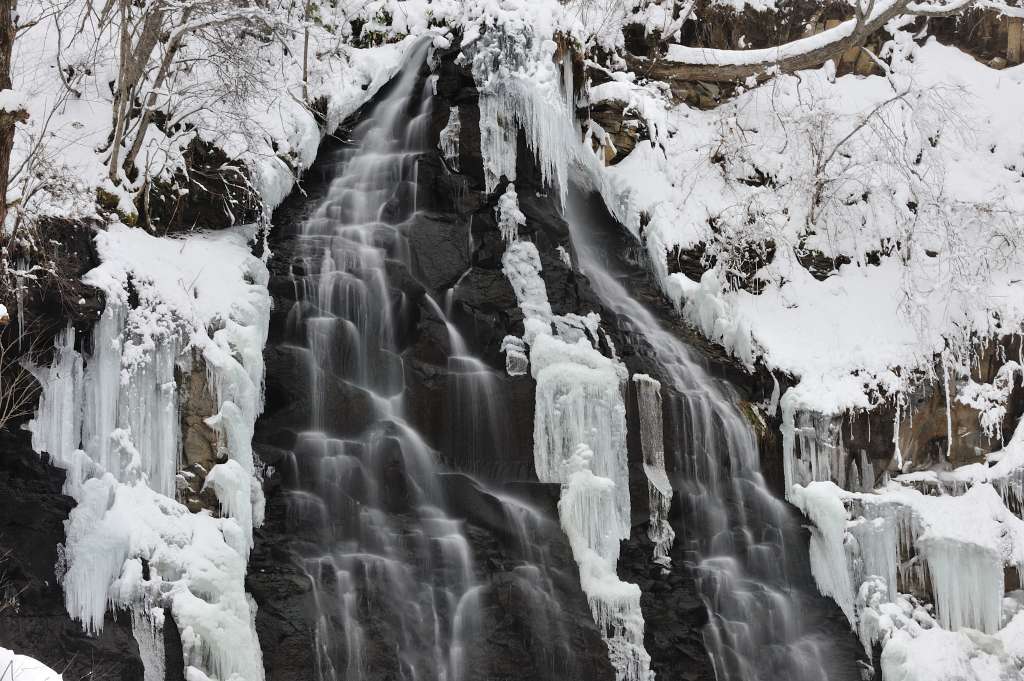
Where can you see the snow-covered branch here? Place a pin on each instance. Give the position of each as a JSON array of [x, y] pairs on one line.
[[702, 64]]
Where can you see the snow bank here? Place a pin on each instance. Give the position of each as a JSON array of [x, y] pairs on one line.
[[926, 263], [115, 425], [22, 668]]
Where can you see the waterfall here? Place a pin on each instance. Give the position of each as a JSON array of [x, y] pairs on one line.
[[735, 534], [389, 569]]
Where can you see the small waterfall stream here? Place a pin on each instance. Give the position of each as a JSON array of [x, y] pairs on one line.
[[735, 533]]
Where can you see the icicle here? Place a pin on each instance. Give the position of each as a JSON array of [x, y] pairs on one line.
[[57, 426], [949, 413], [587, 514], [103, 384], [524, 91], [147, 628], [897, 453], [967, 584], [123, 482], [820, 502], [575, 404], [773, 402], [448, 142], [648, 397]]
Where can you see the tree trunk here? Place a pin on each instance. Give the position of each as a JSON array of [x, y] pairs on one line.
[[305, 55], [132, 67], [121, 96], [8, 119]]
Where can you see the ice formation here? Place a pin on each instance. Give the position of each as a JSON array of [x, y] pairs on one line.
[[448, 141], [510, 218], [516, 361], [813, 449], [869, 550], [521, 86], [112, 420], [659, 488], [580, 442]]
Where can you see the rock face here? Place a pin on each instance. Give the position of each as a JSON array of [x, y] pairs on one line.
[[198, 440]]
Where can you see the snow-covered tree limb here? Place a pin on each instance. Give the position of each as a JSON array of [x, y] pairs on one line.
[[696, 63]]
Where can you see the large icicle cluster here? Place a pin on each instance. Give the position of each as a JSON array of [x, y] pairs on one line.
[[814, 452], [880, 555], [112, 420], [521, 86], [580, 442]]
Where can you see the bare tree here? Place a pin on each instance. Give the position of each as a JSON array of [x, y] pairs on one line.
[[151, 38], [22, 346]]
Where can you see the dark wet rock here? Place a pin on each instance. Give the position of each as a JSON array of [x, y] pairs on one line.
[[440, 249], [215, 193]]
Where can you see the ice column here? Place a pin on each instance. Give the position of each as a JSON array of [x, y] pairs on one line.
[[659, 489], [56, 429], [448, 142], [580, 442]]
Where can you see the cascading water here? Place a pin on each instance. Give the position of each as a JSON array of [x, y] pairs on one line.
[[734, 532], [390, 571], [374, 526]]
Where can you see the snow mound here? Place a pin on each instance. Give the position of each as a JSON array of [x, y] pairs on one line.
[[22, 668]]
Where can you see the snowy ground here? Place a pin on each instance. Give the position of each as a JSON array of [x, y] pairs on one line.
[[21, 668]]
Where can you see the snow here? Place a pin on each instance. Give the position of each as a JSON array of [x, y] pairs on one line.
[[866, 549], [23, 668], [254, 113], [196, 563], [697, 186], [701, 55], [204, 296], [916, 648]]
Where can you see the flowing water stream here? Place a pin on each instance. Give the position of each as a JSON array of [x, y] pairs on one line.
[[396, 592], [390, 570], [735, 533]]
